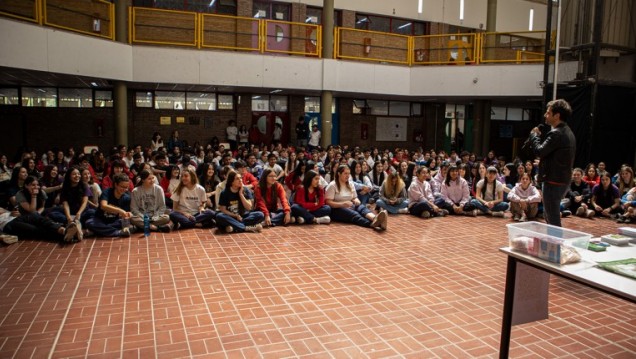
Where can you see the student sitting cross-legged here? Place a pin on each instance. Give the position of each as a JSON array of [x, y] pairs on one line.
[[112, 218], [188, 203], [272, 200], [309, 201], [421, 200], [236, 205], [148, 200]]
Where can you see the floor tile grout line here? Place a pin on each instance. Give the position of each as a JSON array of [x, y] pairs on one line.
[[123, 321], [11, 250], [176, 290], [99, 300], [31, 281], [70, 302], [152, 297]]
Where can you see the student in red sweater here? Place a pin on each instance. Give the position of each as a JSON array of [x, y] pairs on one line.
[[309, 203], [272, 200]]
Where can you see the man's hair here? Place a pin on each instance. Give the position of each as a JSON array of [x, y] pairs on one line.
[[121, 177], [561, 107]]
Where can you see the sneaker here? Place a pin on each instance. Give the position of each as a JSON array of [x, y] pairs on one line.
[[620, 218], [472, 213], [300, 220], [590, 213], [292, 220], [628, 219], [70, 232], [497, 214], [425, 214], [566, 213], [229, 229], [88, 233], [403, 210], [375, 223], [125, 232], [166, 228], [322, 220], [383, 218], [255, 228], [516, 218], [523, 218], [443, 213], [580, 212], [8, 239], [80, 233]]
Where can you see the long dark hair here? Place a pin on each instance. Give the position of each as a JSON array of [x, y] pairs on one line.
[[448, 176], [68, 191], [27, 194], [377, 178], [262, 184], [143, 175], [309, 177]]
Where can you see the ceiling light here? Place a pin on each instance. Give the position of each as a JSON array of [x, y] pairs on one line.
[[420, 5], [276, 91], [461, 9], [405, 25], [94, 84]]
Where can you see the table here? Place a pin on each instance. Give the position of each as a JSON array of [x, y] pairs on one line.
[[583, 272]]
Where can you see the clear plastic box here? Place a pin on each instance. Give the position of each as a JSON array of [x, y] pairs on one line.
[[545, 241]]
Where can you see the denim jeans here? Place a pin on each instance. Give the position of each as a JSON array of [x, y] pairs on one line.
[[392, 208], [499, 207], [419, 208], [249, 219], [356, 215], [552, 195], [299, 211]]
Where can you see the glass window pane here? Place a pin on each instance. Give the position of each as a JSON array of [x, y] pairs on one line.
[[416, 109], [103, 98], [203, 101], [498, 113], [312, 104], [404, 27], [378, 107], [378, 23], [362, 22], [226, 102], [515, 114], [169, 100], [260, 103], [143, 99], [39, 97], [76, 97], [278, 103], [260, 10], [226, 7], [314, 15], [398, 108], [280, 12], [419, 29], [9, 96]]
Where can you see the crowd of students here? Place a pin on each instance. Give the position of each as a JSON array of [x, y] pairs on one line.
[[69, 196]]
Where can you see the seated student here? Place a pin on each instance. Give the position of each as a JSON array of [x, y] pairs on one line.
[[295, 178], [361, 182], [272, 200], [421, 200], [235, 207], [625, 180], [51, 183], [18, 176], [112, 218], [377, 176], [116, 167], [309, 201], [249, 181], [188, 203], [137, 161], [148, 199], [591, 176], [96, 190], [33, 226], [345, 205], [209, 180], [628, 201], [455, 195], [273, 166], [489, 195], [74, 202], [606, 199], [393, 196], [225, 170], [524, 199], [577, 196], [169, 182]]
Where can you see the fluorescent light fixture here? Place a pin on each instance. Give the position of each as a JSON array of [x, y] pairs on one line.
[[41, 90], [276, 91], [405, 25], [420, 5], [212, 3], [255, 97], [362, 20], [461, 9], [94, 84], [531, 20]]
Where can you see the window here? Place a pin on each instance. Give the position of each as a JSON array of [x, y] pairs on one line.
[[398, 108], [312, 104], [9, 96], [76, 98], [103, 98], [226, 102], [269, 103], [39, 97], [271, 10], [389, 24], [202, 101], [378, 107], [416, 109], [497, 113], [227, 7], [143, 99], [169, 100]]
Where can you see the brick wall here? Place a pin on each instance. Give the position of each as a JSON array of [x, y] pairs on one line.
[[79, 15]]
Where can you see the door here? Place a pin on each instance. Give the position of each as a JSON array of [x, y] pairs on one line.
[[266, 122]]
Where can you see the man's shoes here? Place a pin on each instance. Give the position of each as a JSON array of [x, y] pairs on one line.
[[166, 228], [70, 232], [255, 228], [322, 220], [292, 220]]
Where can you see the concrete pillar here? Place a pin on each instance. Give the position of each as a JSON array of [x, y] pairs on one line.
[[491, 26], [326, 98], [120, 89]]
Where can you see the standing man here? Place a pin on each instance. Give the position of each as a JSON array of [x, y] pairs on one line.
[[314, 138], [556, 151], [302, 132]]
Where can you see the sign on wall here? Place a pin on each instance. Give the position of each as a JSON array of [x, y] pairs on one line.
[[390, 129]]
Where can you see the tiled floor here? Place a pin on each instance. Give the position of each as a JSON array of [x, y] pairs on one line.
[[423, 289]]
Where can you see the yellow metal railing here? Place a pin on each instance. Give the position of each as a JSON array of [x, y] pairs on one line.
[[163, 27], [355, 44], [509, 47], [292, 38], [445, 49], [96, 17], [28, 10], [230, 33]]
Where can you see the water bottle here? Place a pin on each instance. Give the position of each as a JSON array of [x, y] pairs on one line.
[[146, 226]]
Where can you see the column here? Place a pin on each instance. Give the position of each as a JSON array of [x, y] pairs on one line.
[[120, 89], [326, 98]]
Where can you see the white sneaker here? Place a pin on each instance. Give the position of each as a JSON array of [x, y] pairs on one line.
[[256, 228], [497, 214], [300, 220], [323, 220], [8, 239], [403, 210], [581, 212], [70, 232], [383, 218], [425, 214], [292, 220], [229, 229], [80, 233]]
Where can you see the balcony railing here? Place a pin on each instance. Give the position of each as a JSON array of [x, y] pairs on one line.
[[209, 31]]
